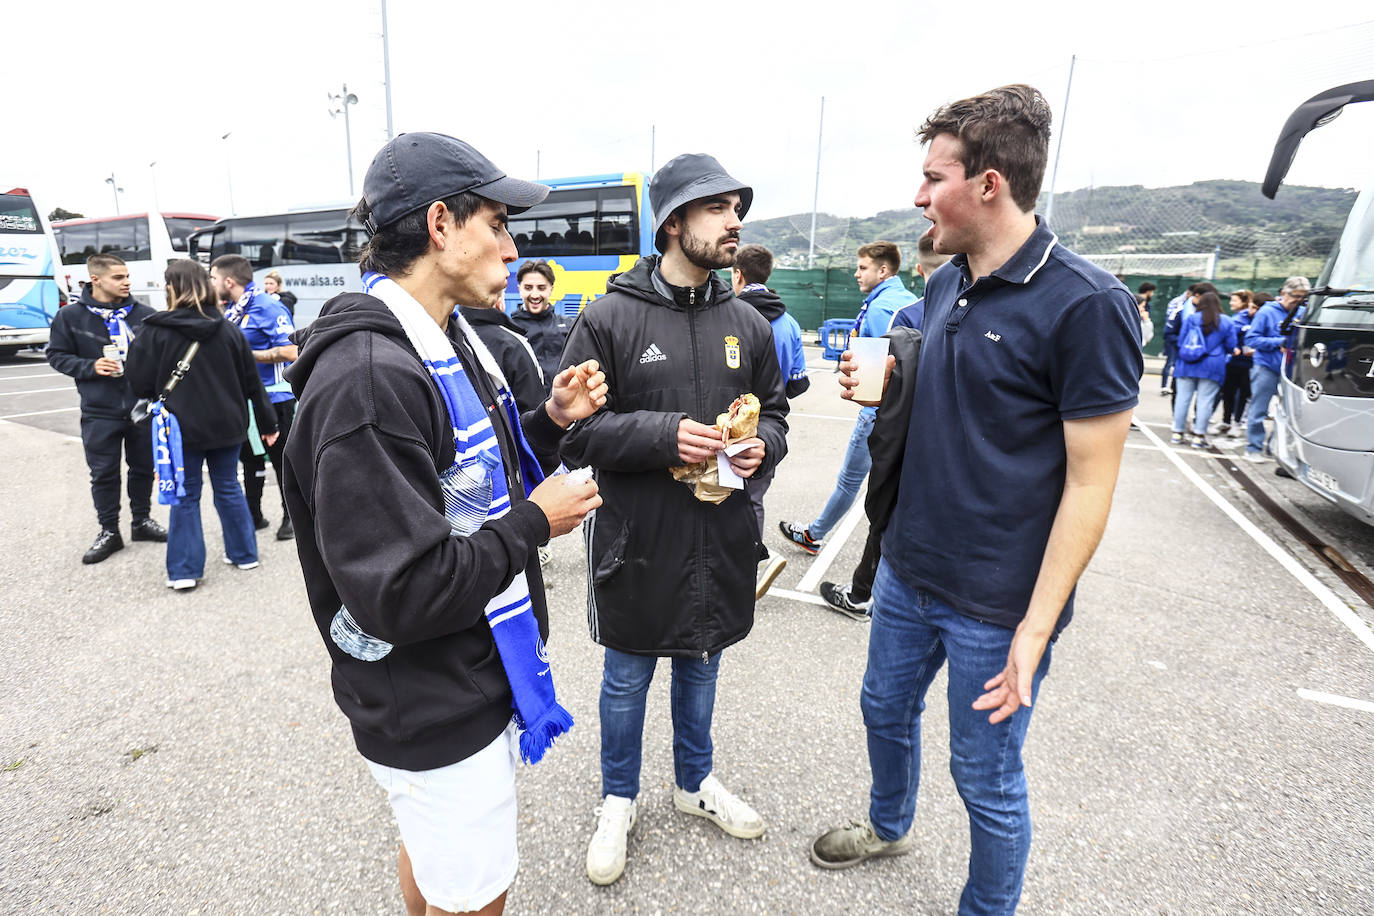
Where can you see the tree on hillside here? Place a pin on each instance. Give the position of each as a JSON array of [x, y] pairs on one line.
[[59, 214]]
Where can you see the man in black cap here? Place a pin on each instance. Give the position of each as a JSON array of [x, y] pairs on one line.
[[672, 575], [425, 584]]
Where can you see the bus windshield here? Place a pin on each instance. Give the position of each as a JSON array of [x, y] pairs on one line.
[[1351, 266], [18, 215]]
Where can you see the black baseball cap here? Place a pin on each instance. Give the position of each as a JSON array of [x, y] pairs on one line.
[[416, 169]]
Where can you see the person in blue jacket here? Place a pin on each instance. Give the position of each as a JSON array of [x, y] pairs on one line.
[[1205, 339], [879, 264], [1235, 390], [753, 267], [1274, 327], [267, 326]]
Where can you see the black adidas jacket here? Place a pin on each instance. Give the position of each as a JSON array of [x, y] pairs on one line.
[[361, 476], [670, 575]]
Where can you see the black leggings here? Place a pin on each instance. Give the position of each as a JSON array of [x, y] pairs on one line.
[[255, 466], [1235, 391]]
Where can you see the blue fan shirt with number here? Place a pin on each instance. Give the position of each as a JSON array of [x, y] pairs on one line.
[[1047, 337], [265, 325]]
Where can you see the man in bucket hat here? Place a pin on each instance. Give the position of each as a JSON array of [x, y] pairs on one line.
[[416, 494], [672, 575]]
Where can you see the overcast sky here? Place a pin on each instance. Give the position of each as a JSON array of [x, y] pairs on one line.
[[1164, 92]]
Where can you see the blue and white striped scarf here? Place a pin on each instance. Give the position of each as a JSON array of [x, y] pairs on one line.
[[121, 335], [476, 472], [235, 313], [168, 462]]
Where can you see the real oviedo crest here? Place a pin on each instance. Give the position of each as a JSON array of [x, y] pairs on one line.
[[732, 352]]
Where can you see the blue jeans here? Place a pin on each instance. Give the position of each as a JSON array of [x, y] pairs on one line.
[[1170, 357], [853, 470], [913, 633], [1207, 392], [185, 539], [624, 687], [1264, 384]]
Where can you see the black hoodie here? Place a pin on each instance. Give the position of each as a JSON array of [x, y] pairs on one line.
[[77, 340], [211, 401], [361, 476], [671, 575], [512, 353]]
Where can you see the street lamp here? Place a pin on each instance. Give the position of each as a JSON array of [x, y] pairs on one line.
[[115, 186], [345, 99]]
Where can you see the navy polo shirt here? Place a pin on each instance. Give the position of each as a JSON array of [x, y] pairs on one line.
[[1047, 337]]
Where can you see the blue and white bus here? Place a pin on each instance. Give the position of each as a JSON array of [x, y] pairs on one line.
[[146, 242], [29, 296], [587, 229]]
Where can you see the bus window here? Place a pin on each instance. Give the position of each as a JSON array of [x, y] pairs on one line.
[[179, 228], [617, 227], [319, 238], [76, 242], [562, 224], [257, 239], [125, 238]]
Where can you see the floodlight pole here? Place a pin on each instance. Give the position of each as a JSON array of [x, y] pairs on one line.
[[815, 198], [386, 79], [1059, 146], [345, 99], [653, 139], [229, 173], [114, 186]]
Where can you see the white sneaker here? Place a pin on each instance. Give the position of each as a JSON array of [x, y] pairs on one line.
[[1256, 457], [545, 555], [768, 571], [181, 585], [606, 852], [228, 562], [715, 803]]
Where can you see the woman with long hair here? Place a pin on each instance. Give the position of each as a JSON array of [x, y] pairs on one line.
[[1205, 339], [209, 413], [1235, 389]]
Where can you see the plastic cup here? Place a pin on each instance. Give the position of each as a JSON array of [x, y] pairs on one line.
[[869, 355]]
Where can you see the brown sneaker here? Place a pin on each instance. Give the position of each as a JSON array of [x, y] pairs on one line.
[[845, 847]]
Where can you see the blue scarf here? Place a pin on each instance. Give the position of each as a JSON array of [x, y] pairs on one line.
[[121, 335], [167, 455], [475, 491], [235, 313]]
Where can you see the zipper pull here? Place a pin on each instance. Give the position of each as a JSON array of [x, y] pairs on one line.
[[692, 296]]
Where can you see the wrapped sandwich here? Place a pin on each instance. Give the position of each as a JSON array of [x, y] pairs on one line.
[[740, 421]]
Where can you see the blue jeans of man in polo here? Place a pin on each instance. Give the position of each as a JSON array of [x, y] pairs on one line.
[[853, 470], [185, 539], [625, 683], [913, 633], [1264, 384]]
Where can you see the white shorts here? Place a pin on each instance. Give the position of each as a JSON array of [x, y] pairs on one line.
[[458, 824]]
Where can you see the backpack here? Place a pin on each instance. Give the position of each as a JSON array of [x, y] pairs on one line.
[[1193, 347]]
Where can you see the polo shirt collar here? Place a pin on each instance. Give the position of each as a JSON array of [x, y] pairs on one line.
[[1022, 267]]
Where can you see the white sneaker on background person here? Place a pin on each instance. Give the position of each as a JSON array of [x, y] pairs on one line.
[[721, 807]]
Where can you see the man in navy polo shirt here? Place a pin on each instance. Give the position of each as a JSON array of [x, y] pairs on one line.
[[1029, 369]]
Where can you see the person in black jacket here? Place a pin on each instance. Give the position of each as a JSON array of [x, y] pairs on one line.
[[544, 328], [511, 351], [210, 404], [107, 316], [400, 595], [672, 575]]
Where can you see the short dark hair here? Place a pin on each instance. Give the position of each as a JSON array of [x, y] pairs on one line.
[[755, 262], [1261, 298], [1146, 287], [393, 249], [927, 256], [234, 266], [1203, 287], [98, 264], [1006, 129], [884, 253], [536, 266]]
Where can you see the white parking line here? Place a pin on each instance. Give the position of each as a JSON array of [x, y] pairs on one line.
[[30, 377], [834, 543], [37, 391], [36, 413], [797, 596], [819, 416], [1335, 700], [1325, 595]]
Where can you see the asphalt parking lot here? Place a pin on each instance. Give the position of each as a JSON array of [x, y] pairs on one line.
[[164, 752]]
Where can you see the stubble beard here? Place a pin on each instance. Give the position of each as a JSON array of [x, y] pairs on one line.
[[701, 253]]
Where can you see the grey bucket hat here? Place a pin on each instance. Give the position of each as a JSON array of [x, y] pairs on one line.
[[416, 169], [690, 177]]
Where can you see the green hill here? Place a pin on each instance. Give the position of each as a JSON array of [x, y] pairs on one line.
[[1303, 222]]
